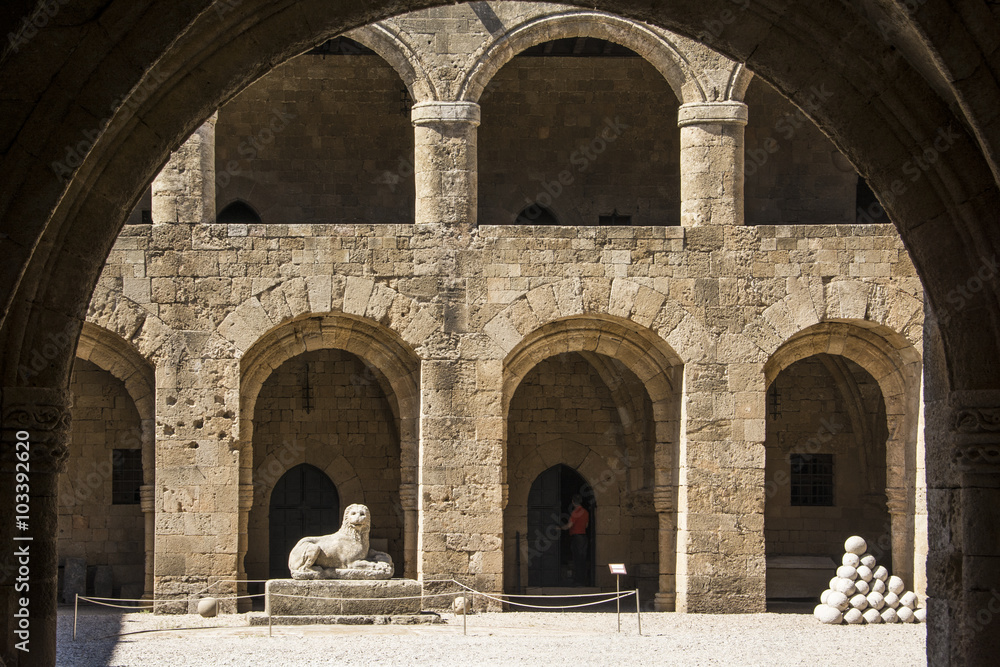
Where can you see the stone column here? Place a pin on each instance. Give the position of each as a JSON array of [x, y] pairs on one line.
[[147, 502], [666, 511], [184, 191], [408, 501], [976, 456], [445, 162], [34, 441], [712, 162], [901, 527], [721, 493]]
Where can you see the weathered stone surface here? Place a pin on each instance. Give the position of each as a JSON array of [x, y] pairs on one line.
[[74, 579], [290, 597]]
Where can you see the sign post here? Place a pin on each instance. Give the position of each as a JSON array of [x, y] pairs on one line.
[[618, 569]]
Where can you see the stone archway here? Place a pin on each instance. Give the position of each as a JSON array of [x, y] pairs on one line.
[[896, 366], [391, 364], [657, 368]]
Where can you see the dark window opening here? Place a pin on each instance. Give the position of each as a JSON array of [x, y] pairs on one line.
[[238, 213], [616, 219], [869, 211], [580, 47], [536, 214], [126, 476], [340, 46], [812, 480], [146, 216]]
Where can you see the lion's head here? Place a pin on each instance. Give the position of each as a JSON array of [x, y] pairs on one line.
[[357, 517]]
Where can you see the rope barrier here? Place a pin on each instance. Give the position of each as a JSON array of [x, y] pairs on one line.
[[316, 597], [513, 595], [165, 600], [613, 597]]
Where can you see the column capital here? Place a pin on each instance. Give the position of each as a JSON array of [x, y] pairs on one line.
[[147, 498], [712, 113], [977, 439], [40, 417], [663, 500], [408, 497], [430, 113], [897, 500], [245, 497]]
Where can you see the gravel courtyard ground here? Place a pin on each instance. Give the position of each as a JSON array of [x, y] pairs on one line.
[[520, 638]]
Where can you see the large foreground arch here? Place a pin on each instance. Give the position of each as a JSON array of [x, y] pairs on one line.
[[94, 103]]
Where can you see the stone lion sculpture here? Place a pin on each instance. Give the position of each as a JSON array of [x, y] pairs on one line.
[[344, 555]]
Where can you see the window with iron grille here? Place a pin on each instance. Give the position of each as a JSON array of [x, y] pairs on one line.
[[812, 480], [126, 476]]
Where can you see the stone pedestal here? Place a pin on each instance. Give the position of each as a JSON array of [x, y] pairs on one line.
[[338, 597]]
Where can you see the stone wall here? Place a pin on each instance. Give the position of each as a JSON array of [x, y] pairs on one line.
[[90, 526], [319, 139], [820, 413], [344, 427]]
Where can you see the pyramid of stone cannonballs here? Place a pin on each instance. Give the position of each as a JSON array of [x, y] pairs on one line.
[[863, 592]]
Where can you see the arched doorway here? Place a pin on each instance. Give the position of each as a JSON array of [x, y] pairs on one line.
[[549, 501], [304, 502]]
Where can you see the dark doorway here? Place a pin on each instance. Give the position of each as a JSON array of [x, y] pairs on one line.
[[549, 500], [304, 502]]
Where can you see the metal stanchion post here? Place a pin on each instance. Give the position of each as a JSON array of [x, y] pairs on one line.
[[270, 632], [76, 611], [465, 619], [638, 614], [618, 600]]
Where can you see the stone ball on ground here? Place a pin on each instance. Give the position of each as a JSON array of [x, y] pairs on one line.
[[868, 561], [841, 585], [864, 573], [895, 585], [875, 600], [878, 586], [824, 596], [862, 587], [905, 615], [460, 605], [889, 615], [859, 601], [854, 617], [851, 559], [920, 615], [208, 607], [855, 545], [838, 601], [891, 600], [880, 573], [872, 616], [908, 599], [827, 614], [847, 572]]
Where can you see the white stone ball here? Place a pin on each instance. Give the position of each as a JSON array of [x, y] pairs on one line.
[[847, 572], [833, 583], [208, 607], [880, 573], [878, 586], [859, 601], [461, 605], [891, 600], [845, 586], [824, 596], [854, 617], [872, 616], [862, 587], [875, 600], [855, 545], [889, 615], [895, 585], [851, 559], [868, 561], [838, 601], [920, 615], [864, 573], [827, 614], [908, 599], [905, 615]]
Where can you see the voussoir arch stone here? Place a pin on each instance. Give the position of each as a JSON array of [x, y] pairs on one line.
[[392, 45], [671, 55], [112, 353]]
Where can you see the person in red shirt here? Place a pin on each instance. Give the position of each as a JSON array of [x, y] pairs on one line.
[[579, 521]]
